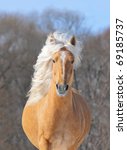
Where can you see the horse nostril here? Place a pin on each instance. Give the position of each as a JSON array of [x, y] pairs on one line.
[[63, 87], [66, 87], [57, 86]]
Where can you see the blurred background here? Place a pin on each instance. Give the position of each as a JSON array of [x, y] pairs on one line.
[[24, 26]]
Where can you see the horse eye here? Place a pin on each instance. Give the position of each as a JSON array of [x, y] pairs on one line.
[[72, 61], [53, 60]]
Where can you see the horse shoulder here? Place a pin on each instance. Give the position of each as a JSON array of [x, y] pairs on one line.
[[82, 111], [30, 123]]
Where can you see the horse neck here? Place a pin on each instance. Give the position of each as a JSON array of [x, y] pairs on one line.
[[55, 99]]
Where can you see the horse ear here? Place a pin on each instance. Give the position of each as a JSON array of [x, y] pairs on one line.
[[73, 41], [51, 39]]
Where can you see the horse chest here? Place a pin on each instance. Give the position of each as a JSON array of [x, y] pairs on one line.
[[59, 127], [54, 121], [65, 135]]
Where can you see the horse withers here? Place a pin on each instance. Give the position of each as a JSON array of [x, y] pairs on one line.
[[56, 117]]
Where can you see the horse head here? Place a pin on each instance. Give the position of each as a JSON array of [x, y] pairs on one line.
[[62, 74]]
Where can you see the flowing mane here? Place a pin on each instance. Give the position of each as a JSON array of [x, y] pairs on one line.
[[43, 67]]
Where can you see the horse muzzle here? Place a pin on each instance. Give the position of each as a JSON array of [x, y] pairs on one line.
[[61, 89]]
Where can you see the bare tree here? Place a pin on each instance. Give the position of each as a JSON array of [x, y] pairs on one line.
[[93, 79], [21, 38], [62, 20]]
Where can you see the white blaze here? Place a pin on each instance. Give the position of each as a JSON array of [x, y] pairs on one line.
[[63, 56]]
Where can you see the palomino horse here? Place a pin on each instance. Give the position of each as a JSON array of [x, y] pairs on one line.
[[56, 117]]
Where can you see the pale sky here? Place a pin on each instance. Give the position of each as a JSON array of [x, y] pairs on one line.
[[97, 12]]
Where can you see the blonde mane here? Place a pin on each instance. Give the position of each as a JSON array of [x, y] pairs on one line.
[[43, 67]]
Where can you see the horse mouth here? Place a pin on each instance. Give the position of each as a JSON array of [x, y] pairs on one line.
[[62, 89]]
